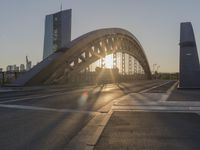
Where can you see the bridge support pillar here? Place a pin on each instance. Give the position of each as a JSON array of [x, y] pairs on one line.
[[189, 60], [129, 65], [123, 63], [135, 66], [114, 60]]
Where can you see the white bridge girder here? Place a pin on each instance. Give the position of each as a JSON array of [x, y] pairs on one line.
[[85, 50]]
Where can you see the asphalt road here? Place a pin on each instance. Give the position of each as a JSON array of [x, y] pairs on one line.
[[185, 95], [151, 131], [49, 118]]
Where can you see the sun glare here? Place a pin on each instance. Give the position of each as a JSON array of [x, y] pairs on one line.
[[109, 61]]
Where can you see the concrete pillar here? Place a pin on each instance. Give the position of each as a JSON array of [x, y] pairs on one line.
[[189, 60]]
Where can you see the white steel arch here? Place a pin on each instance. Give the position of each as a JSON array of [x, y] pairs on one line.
[[82, 52]]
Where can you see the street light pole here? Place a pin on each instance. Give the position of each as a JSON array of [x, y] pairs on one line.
[[153, 71]]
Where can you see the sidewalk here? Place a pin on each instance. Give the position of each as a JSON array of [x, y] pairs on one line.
[[153, 124], [151, 131], [144, 121]]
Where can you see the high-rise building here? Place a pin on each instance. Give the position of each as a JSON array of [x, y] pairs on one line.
[[28, 64], [9, 68], [57, 31], [12, 68], [22, 68]]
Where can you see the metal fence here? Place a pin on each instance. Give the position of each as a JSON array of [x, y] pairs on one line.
[[87, 77]]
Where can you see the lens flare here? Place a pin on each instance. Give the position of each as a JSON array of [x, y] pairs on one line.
[[83, 98]]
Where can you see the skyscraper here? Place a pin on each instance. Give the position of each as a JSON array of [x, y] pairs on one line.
[[28, 64], [22, 68], [57, 31]]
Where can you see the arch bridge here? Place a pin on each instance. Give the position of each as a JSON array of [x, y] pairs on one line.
[[82, 52]]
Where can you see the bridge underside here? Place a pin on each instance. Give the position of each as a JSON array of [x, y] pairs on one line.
[[66, 63]]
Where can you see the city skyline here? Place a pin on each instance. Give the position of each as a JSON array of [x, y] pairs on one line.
[[156, 25]]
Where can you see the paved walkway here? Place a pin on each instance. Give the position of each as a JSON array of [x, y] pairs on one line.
[[151, 131], [144, 121], [148, 121]]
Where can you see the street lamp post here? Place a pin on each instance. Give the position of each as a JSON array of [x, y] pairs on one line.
[[154, 70], [157, 71]]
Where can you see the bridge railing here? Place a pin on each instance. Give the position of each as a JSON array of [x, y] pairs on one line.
[[95, 78], [85, 77]]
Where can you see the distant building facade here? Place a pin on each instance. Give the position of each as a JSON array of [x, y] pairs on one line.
[[28, 64], [57, 31], [22, 68], [12, 68], [9, 68]]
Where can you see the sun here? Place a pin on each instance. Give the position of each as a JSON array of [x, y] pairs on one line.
[[109, 61]]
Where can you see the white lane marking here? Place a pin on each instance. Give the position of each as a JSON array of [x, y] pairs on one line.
[[32, 97], [4, 90], [36, 97], [88, 137], [50, 95], [45, 109], [183, 103], [169, 91], [157, 108], [164, 97], [44, 96], [151, 88]]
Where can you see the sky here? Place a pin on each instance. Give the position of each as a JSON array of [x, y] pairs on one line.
[[155, 23]]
